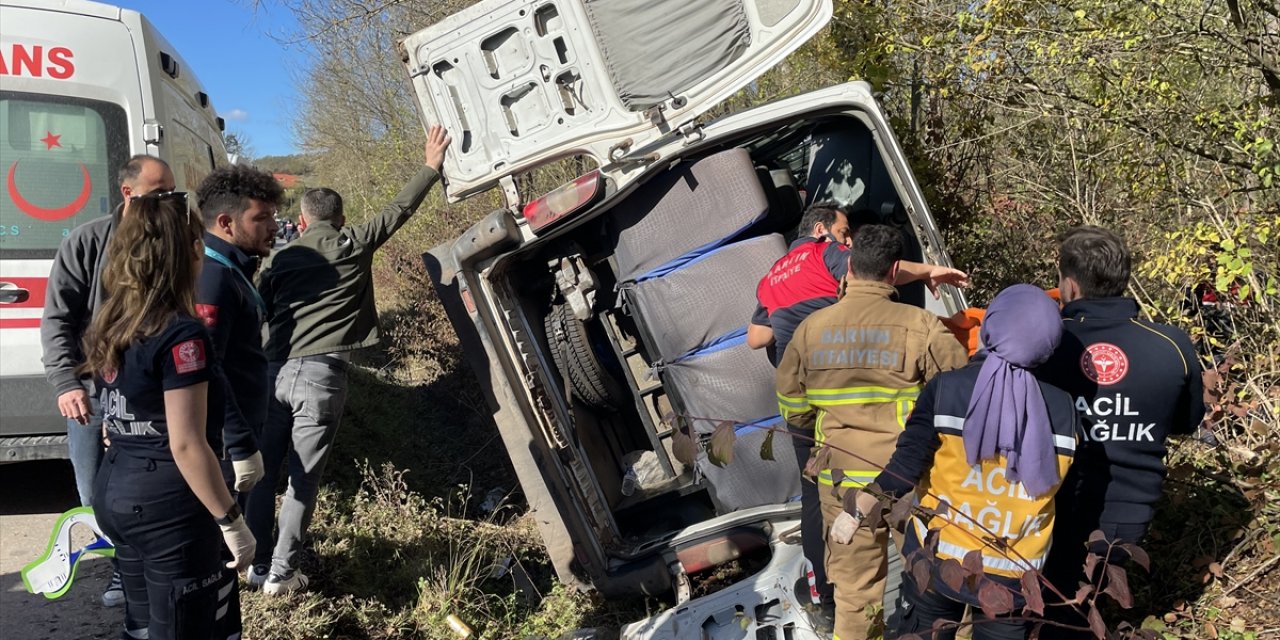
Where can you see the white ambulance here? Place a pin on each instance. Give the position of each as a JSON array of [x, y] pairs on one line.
[[83, 86]]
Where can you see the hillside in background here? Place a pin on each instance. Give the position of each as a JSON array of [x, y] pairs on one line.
[[297, 164], [295, 173]]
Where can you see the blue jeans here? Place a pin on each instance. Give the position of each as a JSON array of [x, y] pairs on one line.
[[84, 446], [302, 420]]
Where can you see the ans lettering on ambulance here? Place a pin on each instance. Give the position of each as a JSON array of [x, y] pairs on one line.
[[37, 61]]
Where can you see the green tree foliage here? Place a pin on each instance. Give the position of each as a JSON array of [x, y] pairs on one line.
[[1154, 118], [1128, 114]]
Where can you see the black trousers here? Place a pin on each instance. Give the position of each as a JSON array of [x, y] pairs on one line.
[[1065, 570], [168, 547], [920, 610], [811, 538]]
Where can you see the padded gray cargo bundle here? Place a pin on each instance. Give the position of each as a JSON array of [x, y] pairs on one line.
[[749, 480], [685, 213], [706, 298], [725, 380]]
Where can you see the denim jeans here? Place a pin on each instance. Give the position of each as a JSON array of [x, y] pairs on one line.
[[302, 420], [84, 446], [167, 546]]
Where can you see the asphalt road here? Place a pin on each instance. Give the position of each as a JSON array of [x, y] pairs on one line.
[[34, 495]]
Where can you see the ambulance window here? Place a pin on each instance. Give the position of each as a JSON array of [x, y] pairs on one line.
[[59, 158]]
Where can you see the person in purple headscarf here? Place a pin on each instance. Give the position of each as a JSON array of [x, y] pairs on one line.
[[993, 442]]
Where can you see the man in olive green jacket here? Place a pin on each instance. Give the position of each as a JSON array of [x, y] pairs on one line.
[[318, 292]]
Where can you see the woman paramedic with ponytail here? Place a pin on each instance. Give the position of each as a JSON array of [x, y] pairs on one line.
[[159, 494], [994, 442]]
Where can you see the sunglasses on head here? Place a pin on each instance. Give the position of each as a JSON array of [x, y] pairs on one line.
[[165, 195], [175, 196]]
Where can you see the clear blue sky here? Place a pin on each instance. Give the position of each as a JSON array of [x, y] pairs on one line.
[[249, 75]]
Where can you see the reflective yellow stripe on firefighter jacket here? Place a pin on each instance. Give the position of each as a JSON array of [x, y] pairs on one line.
[[852, 373]]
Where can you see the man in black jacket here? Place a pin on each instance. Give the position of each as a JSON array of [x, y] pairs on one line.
[[238, 206], [1135, 383]]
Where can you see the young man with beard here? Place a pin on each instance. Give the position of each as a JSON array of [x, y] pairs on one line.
[[238, 207], [1135, 383]]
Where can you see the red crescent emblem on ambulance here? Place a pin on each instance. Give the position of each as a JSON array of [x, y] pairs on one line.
[[55, 213], [1104, 363]]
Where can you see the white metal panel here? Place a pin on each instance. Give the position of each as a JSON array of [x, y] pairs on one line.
[[519, 84]]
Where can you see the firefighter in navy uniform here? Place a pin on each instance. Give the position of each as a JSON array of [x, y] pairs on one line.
[[159, 494], [1135, 383], [803, 281], [850, 376]]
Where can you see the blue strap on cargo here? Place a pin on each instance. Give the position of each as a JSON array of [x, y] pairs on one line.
[[729, 340], [763, 423], [625, 287], [694, 255]]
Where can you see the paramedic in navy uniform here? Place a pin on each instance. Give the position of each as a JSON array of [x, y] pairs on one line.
[[159, 494], [1135, 383], [238, 206]]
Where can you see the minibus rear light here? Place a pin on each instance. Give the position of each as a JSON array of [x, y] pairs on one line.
[[564, 201]]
